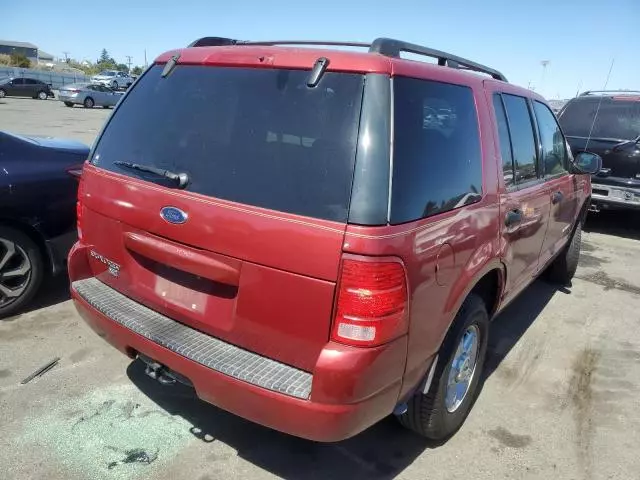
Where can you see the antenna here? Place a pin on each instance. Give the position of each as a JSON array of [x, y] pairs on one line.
[[544, 64], [595, 117]]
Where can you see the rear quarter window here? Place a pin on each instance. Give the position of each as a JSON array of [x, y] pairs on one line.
[[437, 159]]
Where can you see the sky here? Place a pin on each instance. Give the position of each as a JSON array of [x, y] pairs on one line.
[[579, 39]]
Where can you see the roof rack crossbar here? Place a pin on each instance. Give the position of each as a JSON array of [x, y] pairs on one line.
[[384, 46]]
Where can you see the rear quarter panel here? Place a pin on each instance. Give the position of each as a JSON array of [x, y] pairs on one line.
[[445, 255]]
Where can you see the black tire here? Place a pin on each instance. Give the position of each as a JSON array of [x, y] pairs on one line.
[[88, 102], [42, 95], [3, 93], [427, 414], [69, 104], [23, 245], [564, 267], [106, 107], [115, 86]]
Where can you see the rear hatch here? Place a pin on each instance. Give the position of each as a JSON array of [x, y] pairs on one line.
[[609, 126], [249, 250]]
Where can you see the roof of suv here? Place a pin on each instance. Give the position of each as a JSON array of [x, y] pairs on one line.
[[383, 56]]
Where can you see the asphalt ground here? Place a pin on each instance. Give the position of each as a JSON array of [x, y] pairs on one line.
[[560, 397]]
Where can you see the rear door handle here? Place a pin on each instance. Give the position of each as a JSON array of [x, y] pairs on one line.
[[557, 198], [513, 217]]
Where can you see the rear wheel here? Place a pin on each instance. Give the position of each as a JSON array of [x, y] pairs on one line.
[[441, 411], [21, 270], [3, 93], [565, 265], [68, 104], [88, 102], [42, 95]]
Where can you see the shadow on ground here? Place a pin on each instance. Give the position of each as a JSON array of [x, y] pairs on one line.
[[621, 223], [52, 291], [381, 452]]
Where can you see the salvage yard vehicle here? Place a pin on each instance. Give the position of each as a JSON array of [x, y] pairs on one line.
[[608, 123], [38, 190], [113, 79], [89, 95], [25, 87], [332, 251]]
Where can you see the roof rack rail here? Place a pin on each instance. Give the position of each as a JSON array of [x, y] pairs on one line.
[[384, 46], [597, 92]]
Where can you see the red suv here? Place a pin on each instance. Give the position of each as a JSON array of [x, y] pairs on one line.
[[315, 239]]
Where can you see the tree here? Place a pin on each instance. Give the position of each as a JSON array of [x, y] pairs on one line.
[[136, 71], [20, 60], [104, 57], [121, 67]]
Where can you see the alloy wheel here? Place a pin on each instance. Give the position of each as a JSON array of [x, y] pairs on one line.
[[462, 369], [15, 271]]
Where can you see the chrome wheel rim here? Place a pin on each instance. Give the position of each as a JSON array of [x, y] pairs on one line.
[[42, 95], [15, 271], [2, 94], [463, 369]]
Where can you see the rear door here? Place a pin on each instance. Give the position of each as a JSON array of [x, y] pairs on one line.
[[18, 88], [563, 187], [525, 201], [249, 251], [31, 87]]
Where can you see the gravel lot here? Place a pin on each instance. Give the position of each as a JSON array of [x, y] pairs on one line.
[[560, 399]]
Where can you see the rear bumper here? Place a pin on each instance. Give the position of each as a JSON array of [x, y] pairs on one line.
[[352, 388], [608, 196]]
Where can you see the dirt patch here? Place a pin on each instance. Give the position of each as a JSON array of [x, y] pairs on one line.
[[582, 397], [608, 283], [508, 439], [80, 355], [589, 261]]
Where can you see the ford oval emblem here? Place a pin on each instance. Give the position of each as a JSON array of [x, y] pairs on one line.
[[174, 215]]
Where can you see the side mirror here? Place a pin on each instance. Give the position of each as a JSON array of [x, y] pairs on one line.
[[587, 162]]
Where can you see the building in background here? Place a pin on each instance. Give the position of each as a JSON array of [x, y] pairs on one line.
[[29, 50]]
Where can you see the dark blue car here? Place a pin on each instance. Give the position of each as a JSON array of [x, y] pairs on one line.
[[39, 179]]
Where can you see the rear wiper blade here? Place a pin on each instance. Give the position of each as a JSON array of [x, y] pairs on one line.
[[181, 179]]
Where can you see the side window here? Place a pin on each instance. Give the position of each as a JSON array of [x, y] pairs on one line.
[[522, 139], [505, 141], [437, 160], [29, 81], [554, 151], [18, 81]]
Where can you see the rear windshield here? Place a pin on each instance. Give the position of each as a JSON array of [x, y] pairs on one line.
[[615, 119], [256, 136]]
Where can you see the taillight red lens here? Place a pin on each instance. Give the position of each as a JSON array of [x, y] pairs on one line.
[[79, 208], [372, 302]]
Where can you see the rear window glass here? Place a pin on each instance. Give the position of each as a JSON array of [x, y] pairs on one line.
[[615, 119], [255, 136], [437, 161]]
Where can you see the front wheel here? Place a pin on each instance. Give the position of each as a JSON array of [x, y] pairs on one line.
[[439, 412], [564, 267], [21, 270], [42, 95], [3, 93], [69, 104], [115, 86]]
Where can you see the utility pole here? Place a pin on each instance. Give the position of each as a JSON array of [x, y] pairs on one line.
[[145, 59], [129, 57]]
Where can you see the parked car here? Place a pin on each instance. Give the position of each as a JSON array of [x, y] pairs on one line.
[[89, 95], [608, 123], [113, 79], [38, 189], [304, 247], [25, 87]]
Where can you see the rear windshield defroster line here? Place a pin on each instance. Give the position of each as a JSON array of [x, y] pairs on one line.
[[260, 137]]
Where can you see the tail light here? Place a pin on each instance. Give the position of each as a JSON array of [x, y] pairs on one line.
[[371, 307], [79, 208]]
